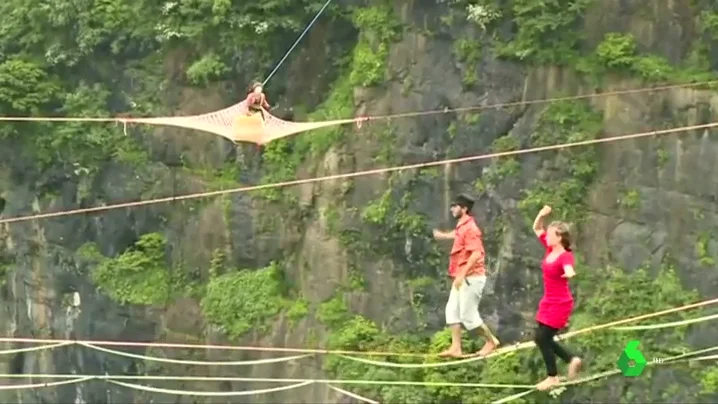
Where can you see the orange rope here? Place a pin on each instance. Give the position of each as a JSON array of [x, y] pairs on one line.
[[405, 114], [341, 352], [354, 174]]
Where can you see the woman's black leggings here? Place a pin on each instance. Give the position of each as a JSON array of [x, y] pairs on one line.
[[550, 348]]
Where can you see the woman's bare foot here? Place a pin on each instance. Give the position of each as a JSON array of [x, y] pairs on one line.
[[452, 352], [548, 383], [574, 367]]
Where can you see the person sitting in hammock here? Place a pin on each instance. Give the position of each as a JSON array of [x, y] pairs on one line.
[[256, 100]]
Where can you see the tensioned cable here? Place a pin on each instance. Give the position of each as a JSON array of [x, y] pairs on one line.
[[297, 357], [298, 381], [356, 173], [286, 55], [200, 363], [407, 114], [353, 395], [209, 393], [273, 380], [34, 348], [291, 358], [82, 379], [666, 325], [546, 100], [50, 384], [523, 345]]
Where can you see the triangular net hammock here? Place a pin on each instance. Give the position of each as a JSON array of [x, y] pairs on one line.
[[235, 124]]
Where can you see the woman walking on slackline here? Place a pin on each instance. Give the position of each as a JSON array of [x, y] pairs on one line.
[[556, 304]]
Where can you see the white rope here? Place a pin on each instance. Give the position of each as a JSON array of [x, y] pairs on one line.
[[667, 325], [523, 345], [272, 380], [39, 385], [352, 395], [35, 348], [304, 382], [200, 363], [208, 393], [286, 55], [424, 365]]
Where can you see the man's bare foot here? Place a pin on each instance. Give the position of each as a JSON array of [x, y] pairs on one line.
[[488, 347], [574, 367], [548, 383], [451, 353]]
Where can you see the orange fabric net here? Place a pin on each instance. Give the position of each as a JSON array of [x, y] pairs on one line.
[[234, 124]]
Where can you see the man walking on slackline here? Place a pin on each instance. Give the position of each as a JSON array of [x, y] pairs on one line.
[[466, 268]]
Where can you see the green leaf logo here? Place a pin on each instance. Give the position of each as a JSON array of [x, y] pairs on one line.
[[632, 362]]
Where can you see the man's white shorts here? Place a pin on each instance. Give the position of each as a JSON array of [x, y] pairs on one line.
[[463, 304]]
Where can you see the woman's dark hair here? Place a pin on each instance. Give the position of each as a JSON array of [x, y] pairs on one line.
[[563, 232]]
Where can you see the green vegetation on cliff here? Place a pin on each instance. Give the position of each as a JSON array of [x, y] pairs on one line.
[[140, 275], [143, 58], [551, 33], [236, 301], [545, 32], [246, 300]]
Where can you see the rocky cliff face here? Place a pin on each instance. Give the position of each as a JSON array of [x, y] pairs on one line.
[[351, 264]]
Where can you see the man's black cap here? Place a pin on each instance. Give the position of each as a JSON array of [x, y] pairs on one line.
[[463, 200]]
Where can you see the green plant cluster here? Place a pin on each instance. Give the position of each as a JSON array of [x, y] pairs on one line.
[[333, 312], [240, 301], [543, 31], [603, 296], [139, 275], [704, 256], [706, 41], [378, 28], [618, 52], [564, 181], [468, 52], [236, 301], [709, 382], [396, 217], [5, 267]]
